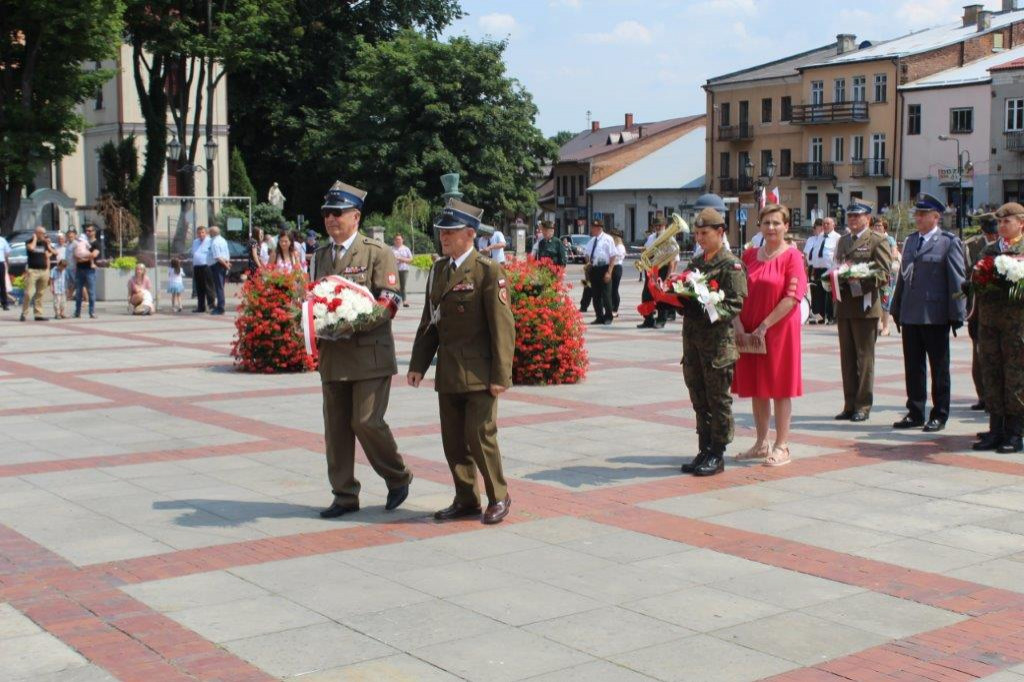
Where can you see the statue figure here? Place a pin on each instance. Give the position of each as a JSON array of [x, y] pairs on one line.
[[275, 197]]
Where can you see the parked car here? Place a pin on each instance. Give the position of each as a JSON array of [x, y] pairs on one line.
[[239, 262], [575, 249], [18, 259], [25, 235]]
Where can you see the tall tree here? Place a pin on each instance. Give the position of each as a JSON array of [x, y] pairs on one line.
[[306, 51], [413, 108], [119, 167], [181, 49], [43, 44]]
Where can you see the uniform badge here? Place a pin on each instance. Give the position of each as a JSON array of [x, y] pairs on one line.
[[392, 279], [461, 308], [737, 266], [503, 295], [464, 286], [501, 282], [354, 270]]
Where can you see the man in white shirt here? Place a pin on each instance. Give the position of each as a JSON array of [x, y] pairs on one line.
[[200, 253], [811, 248], [220, 265], [600, 254], [821, 262], [494, 246]]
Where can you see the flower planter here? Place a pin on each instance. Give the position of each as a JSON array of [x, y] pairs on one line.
[[112, 284], [416, 282]]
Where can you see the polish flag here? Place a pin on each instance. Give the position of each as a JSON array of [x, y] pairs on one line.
[[774, 196]]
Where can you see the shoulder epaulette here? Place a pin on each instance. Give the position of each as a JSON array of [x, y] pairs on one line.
[[370, 241]]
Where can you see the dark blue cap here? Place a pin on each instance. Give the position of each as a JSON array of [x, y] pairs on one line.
[[458, 215], [342, 196], [858, 207], [926, 202]]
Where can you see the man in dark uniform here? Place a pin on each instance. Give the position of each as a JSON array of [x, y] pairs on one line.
[[600, 254], [356, 372], [468, 325], [709, 345], [549, 247], [974, 246], [859, 309], [650, 322], [925, 306]]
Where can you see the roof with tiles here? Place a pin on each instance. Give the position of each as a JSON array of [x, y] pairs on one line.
[[591, 143], [969, 74]]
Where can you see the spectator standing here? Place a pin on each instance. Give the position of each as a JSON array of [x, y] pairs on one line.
[[821, 263], [220, 264], [927, 304], [259, 255], [600, 255], [201, 280], [140, 292], [175, 284], [287, 256], [620, 258], [308, 250], [776, 283], [494, 246], [87, 250], [58, 289], [881, 226], [858, 310], [403, 256], [549, 247], [658, 226], [69, 256], [5, 257], [810, 248], [974, 247], [60, 250], [37, 274]]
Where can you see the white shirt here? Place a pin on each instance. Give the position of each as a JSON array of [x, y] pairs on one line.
[[824, 251], [218, 250], [5, 249], [925, 238], [620, 251], [402, 252], [264, 253], [338, 250], [497, 255], [200, 252], [757, 241], [811, 246], [600, 250], [462, 259]]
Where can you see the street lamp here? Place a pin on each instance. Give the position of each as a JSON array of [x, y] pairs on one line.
[[961, 166], [211, 150], [173, 148]]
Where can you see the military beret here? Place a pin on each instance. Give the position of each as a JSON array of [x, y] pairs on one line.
[[711, 201], [458, 215], [859, 207], [709, 217], [342, 196], [1010, 209], [926, 202]]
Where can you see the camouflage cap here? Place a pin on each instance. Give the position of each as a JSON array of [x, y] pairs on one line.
[[709, 217], [1010, 209]]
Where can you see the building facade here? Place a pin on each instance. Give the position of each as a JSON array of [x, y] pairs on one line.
[[1006, 166]]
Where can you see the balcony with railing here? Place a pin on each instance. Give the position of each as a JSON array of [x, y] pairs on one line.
[[870, 168], [1015, 141], [814, 171], [736, 185], [833, 112], [736, 133]]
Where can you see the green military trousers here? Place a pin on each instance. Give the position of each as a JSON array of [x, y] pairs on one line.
[[709, 387], [469, 435], [1001, 347]]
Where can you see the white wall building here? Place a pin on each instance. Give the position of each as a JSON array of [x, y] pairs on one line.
[[664, 182]]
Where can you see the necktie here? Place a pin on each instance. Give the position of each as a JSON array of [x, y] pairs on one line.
[[339, 250], [821, 251], [593, 249]]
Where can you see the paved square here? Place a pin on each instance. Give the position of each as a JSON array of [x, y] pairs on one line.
[[158, 522]]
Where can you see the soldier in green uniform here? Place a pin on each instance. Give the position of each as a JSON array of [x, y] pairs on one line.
[[974, 247], [1001, 341], [709, 345], [468, 325], [356, 372], [550, 247], [859, 309]]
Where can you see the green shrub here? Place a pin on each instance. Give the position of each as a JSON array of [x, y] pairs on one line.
[[422, 261], [124, 263]]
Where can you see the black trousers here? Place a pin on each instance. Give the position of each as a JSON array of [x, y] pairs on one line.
[[821, 300], [218, 273], [602, 293], [202, 279], [616, 279], [645, 296], [927, 346], [3, 286]]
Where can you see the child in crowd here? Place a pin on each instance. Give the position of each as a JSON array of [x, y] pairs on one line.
[[58, 287], [175, 284]]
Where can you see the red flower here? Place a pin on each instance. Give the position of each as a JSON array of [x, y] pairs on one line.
[[268, 337], [713, 284]]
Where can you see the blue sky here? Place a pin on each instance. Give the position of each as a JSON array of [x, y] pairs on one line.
[[650, 57]]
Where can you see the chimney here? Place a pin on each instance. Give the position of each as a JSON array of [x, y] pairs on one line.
[[595, 126], [971, 14], [984, 20], [639, 131], [845, 42], [629, 121]]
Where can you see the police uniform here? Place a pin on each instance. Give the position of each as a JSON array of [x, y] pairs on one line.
[[600, 254], [974, 247], [552, 249], [1001, 341], [926, 304], [355, 373], [468, 325], [710, 353], [663, 272], [857, 314]]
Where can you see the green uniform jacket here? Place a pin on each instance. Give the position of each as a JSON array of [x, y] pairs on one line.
[[369, 354], [973, 247], [994, 306], [869, 247], [728, 271], [553, 249], [474, 334]]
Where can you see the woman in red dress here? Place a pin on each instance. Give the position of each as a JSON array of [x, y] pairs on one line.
[[776, 283]]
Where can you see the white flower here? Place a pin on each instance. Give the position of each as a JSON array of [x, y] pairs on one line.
[[1012, 269], [693, 277], [319, 310]]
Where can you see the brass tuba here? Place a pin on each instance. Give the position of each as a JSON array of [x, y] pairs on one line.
[[665, 247]]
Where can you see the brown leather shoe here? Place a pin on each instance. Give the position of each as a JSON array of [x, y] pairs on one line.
[[497, 511], [456, 511]]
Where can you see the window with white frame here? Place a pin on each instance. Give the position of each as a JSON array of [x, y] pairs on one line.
[[1015, 115], [839, 91], [860, 91], [881, 87], [838, 149], [857, 148], [817, 150], [817, 92]]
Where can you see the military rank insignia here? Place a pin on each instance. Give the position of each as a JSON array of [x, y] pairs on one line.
[[354, 269], [464, 286]]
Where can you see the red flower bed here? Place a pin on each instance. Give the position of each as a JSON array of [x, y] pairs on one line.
[[549, 327], [268, 335]]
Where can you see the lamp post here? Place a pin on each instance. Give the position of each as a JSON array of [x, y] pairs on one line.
[[961, 167], [760, 183]]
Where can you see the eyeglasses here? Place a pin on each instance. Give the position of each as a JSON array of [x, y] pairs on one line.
[[335, 212]]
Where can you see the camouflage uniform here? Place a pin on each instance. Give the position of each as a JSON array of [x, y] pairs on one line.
[[1001, 345], [709, 349]]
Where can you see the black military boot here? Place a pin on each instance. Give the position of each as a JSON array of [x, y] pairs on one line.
[[1012, 440], [702, 453], [714, 463], [994, 438]]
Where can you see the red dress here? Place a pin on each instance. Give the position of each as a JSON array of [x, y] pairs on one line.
[[777, 374]]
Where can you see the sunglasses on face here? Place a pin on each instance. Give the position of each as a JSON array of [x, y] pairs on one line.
[[335, 212]]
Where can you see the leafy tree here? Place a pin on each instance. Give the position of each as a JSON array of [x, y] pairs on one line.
[[239, 184], [414, 108], [43, 46], [119, 166], [559, 139], [306, 50]]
